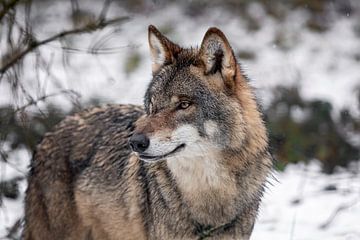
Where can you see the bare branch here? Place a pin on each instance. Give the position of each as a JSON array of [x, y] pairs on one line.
[[338, 210], [33, 102], [7, 7], [104, 10], [36, 44]]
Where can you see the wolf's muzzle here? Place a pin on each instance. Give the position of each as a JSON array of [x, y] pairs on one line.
[[139, 142]]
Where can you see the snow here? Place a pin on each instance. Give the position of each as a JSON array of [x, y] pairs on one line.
[[298, 205], [12, 210], [322, 65]]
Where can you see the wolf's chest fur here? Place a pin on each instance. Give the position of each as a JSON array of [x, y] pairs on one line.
[[207, 187]]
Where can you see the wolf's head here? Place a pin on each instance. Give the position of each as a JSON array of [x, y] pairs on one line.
[[198, 101]]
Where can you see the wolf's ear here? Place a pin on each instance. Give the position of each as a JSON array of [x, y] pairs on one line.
[[217, 55], [163, 51]]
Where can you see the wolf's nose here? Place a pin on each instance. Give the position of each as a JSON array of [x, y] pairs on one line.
[[139, 142]]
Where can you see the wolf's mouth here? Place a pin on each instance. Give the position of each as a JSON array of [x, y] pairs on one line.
[[152, 158]]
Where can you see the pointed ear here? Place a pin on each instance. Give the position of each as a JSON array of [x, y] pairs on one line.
[[217, 55], [162, 50]]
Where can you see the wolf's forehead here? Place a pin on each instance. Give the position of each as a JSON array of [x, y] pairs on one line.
[[171, 82], [162, 80]]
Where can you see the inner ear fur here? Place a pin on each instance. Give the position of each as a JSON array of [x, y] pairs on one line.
[[162, 50], [217, 55]]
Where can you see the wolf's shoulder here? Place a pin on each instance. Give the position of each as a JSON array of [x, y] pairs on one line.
[[107, 114], [100, 117], [85, 131]]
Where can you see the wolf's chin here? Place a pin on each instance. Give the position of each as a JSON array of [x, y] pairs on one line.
[[151, 158]]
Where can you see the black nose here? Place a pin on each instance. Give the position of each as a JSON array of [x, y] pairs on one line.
[[139, 142]]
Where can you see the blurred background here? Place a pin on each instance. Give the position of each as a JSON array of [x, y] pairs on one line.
[[302, 56]]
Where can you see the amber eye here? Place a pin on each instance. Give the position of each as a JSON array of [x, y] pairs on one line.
[[184, 105]]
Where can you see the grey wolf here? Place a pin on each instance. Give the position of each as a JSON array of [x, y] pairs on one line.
[[190, 164]]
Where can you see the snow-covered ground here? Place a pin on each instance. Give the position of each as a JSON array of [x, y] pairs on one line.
[[323, 65], [305, 204]]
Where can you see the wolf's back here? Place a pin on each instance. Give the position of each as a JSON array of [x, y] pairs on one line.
[[63, 156]]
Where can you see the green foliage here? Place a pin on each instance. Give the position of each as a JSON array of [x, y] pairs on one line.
[[82, 17], [246, 55], [132, 62], [9, 189], [302, 130], [22, 129]]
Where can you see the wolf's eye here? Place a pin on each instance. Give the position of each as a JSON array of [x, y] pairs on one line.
[[184, 105]]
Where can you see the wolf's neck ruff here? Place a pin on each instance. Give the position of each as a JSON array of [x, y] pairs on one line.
[[206, 186]]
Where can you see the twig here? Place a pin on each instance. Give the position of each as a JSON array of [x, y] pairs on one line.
[[15, 229], [102, 51], [339, 209], [43, 98], [7, 7], [104, 10], [36, 44], [293, 224], [4, 156]]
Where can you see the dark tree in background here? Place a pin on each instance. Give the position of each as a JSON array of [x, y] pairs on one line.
[[316, 135]]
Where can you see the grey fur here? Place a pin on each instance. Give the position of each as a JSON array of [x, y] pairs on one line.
[[85, 183]]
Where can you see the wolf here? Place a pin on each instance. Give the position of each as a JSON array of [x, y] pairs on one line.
[[192, 163]]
